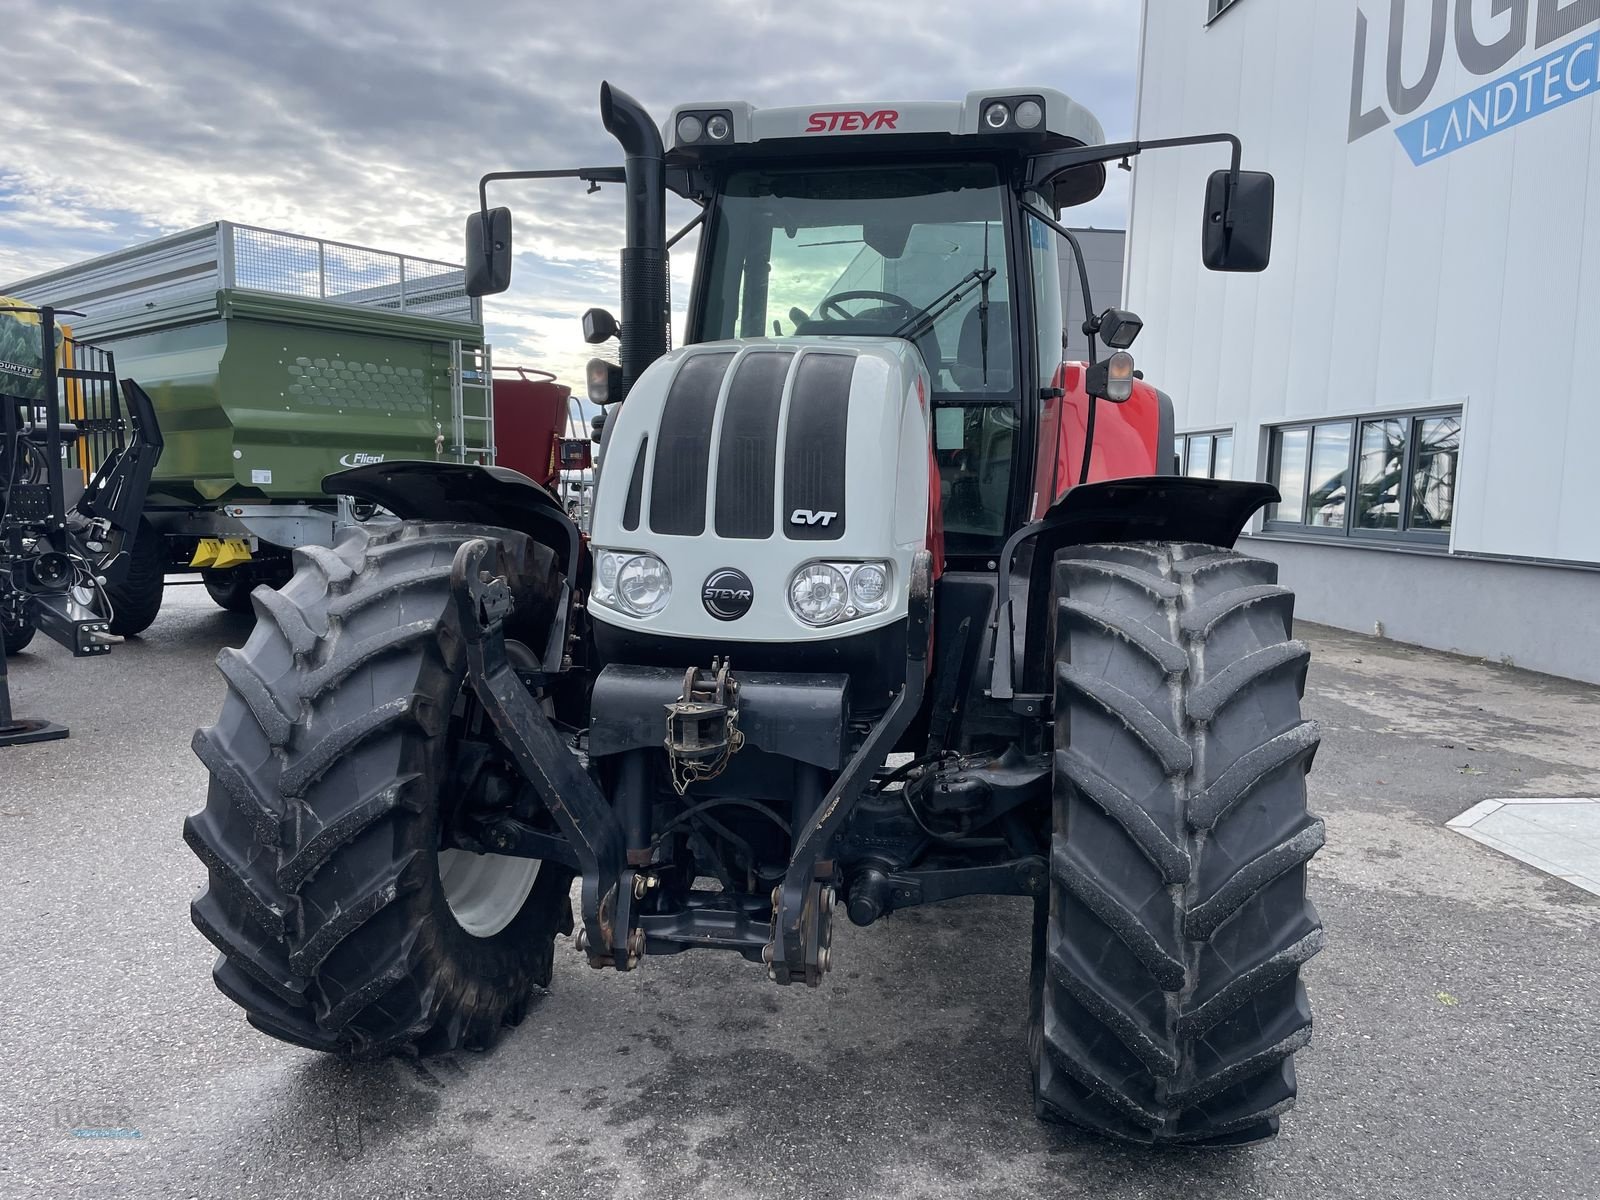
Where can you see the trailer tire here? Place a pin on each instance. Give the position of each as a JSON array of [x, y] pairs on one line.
[[321, 829], [1167, 1001], [136, 597], [230, 589], [16, 634]]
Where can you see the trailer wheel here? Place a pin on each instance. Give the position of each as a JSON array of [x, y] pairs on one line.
[[15, 633], [342, 924], [1167, 1002], [230, 589], [136, 598]]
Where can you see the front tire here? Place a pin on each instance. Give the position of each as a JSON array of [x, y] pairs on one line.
[[1167, 1003], [341, 923]]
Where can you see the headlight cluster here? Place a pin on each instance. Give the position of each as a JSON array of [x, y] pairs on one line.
[[631, 582], [825, 593]]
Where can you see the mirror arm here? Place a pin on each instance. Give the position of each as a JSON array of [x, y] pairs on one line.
[[1088, 155], [591, 175]]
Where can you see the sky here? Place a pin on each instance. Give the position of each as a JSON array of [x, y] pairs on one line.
[[371, 123]]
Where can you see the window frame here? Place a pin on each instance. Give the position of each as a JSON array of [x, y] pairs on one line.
[[1213, 432], [1215, 8], [1349, 532]]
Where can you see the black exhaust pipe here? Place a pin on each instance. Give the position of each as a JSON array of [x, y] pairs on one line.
[[645, 316]]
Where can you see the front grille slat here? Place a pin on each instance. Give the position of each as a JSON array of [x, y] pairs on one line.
[[747, 458], [814, 447], [683, 446]]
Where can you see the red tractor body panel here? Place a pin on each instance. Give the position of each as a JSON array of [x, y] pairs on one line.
[[1126, 438]]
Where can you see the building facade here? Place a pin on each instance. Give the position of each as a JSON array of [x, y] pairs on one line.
[[1418, 370]]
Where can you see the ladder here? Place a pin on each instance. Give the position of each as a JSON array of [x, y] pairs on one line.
[[471, 403]]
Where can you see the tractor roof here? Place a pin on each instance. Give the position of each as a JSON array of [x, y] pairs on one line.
[[1024, 122]]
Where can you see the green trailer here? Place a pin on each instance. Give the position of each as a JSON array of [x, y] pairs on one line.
[[274, 360]]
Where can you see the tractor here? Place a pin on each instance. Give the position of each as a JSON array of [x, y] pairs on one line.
[[882, 604]]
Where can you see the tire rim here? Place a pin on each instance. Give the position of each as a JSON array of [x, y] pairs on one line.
[[485, 892]]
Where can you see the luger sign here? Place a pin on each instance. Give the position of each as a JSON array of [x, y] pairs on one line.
[[1484, 46]]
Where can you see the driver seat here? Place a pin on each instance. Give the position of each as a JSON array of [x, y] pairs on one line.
[[968, 370]]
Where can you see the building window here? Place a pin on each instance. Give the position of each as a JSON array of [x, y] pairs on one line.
[[1205, 455], [1215, 8], [1403, 466]]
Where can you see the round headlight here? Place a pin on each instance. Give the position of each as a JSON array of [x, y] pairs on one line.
[[609, 563], [1029, 114], [644, 585], [689, 129], [818, 594], [996, 116], [869, 588], [718, 127]]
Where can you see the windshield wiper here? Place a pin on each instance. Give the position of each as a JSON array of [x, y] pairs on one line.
[[944, 302]]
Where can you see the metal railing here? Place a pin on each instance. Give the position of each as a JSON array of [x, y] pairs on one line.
[[292, 264], [186, 270]]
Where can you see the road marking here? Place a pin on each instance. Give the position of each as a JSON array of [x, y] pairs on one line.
[[1557, 835]]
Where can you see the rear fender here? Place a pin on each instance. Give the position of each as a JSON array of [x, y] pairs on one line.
[[1158, 508], [469, 494]]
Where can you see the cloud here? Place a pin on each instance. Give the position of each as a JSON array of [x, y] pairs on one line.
[[372, 123]]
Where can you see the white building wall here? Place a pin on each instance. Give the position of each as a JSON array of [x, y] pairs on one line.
[[1471, 279]]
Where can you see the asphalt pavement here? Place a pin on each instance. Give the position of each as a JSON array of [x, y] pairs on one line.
[[1456, 1050]]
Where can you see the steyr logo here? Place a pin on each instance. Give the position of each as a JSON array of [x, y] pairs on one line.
[[852, 121], [360, 460], [727, 594], [806, 516], [1484, 45]]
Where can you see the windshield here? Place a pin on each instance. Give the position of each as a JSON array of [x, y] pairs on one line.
[[917, 252]]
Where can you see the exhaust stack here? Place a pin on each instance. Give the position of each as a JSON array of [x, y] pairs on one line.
[[645, 313]]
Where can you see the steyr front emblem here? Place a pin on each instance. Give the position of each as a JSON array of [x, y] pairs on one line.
[[727, 594]]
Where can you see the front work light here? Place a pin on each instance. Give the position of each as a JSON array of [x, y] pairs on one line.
[[718, 128], [1029, 114], [689, 128], [604, 381], [996, 116], [1119, 328]]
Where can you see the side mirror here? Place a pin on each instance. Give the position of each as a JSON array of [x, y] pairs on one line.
[[599, 326], [489, 252], [1238, 229]]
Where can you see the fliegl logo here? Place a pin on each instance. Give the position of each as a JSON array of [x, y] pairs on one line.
[[1396, 79], [360, 460], [852, 120]]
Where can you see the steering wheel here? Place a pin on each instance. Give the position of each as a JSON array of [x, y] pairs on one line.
[[837, 301]]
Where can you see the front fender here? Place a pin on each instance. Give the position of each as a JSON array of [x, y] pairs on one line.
[[467, 493], [1157, 508]]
